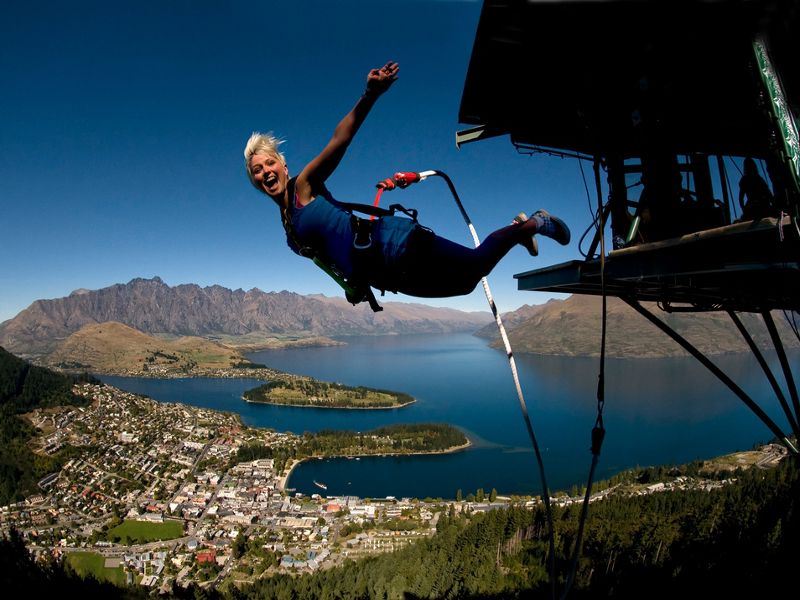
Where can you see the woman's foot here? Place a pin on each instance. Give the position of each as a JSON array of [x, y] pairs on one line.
[[550, 226], [529, 243]]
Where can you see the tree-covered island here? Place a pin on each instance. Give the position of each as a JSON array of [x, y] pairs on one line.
[[305, 391]]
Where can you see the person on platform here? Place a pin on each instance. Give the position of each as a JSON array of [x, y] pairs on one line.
[[760, 202]]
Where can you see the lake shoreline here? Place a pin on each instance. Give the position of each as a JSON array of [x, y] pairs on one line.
[[458, 380]]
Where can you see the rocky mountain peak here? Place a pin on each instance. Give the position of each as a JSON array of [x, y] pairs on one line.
[[151, 306]]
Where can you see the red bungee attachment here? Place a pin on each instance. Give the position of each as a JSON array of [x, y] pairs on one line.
[[401, 179], [383, 185], [405, 179]]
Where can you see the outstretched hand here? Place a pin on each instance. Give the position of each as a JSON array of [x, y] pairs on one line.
[[380, 80]]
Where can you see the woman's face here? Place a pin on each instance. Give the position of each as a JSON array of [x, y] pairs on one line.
[[270, 174]]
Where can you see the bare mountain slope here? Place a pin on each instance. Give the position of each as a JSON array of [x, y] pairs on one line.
[[571, 327]]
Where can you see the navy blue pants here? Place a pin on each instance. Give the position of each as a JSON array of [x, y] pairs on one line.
[[435, 267]]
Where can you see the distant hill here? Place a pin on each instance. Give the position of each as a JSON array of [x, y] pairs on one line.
[[24, 387], [114, 347], [571, 327], [153, 307]]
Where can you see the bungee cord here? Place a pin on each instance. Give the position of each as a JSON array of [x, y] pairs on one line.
[[405, 179]]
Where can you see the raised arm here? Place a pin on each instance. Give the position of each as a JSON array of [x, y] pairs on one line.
[[314, 174]]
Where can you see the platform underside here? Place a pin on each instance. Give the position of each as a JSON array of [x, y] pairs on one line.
[[750, 267]]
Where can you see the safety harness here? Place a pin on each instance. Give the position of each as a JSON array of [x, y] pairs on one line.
[[365, 255]]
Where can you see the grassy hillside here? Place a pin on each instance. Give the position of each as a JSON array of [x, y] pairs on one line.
[[114, 347]]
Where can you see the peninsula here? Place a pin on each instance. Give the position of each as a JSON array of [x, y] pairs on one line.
[[390, 440], [116, 349], [311, 393]]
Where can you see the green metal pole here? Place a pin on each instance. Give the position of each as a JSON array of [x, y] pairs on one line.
[[787, 128]]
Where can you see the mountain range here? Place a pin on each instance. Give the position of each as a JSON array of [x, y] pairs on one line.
[[218, 313], [571, 327], [249, 320]]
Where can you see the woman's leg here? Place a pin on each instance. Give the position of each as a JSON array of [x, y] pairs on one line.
[[435, 267]]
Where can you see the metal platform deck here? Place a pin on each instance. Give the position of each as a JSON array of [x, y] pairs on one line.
[[752, 266]]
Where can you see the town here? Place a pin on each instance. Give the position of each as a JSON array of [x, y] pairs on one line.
[[155, 494]]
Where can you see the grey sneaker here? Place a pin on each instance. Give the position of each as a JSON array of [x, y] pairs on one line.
[[552, 227], [529, 243]]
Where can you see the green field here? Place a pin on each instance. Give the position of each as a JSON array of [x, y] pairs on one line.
[[139, 532], [89, 563]]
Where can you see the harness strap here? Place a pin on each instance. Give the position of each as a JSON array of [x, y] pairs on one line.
[[356, 288], [367, 209]]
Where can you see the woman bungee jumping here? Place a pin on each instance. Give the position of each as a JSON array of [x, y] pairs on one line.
[[389, 253]]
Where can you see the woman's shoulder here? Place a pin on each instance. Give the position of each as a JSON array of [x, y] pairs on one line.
[[307, 191]]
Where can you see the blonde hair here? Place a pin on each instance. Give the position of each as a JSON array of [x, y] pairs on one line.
[[261, 143]]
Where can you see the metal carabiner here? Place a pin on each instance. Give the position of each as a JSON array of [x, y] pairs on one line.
[[359, 246]]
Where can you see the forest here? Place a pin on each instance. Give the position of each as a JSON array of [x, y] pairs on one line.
[[24, 387]]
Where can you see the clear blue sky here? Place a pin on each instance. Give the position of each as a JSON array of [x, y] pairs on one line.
[[123, 126]]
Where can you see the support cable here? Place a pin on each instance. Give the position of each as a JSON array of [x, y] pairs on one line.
[[767, 371], [595, 216], [592, 227], [588, 196], [787, 371], [686, 345], [727, 190], [598, 431], [790, 320]]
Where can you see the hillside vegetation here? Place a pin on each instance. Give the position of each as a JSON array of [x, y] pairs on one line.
[[24, 387], [741, 538]]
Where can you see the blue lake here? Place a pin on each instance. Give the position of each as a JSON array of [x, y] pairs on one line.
[[657, 412]]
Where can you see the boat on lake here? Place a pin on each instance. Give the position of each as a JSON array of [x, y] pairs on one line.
[[320, 485]]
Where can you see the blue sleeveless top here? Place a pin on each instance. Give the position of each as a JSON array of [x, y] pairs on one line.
[[326, 228]]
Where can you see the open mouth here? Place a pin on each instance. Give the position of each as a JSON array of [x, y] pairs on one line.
[[270, 181]]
